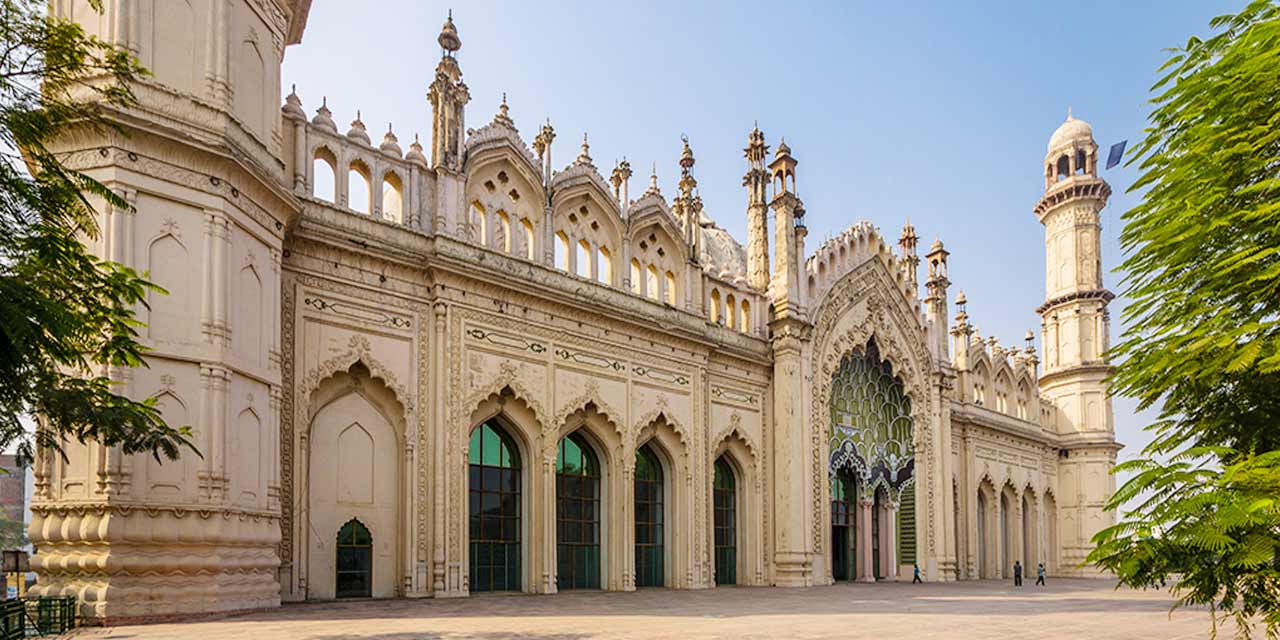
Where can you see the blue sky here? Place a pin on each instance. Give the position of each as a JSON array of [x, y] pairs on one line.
[[935, 111]]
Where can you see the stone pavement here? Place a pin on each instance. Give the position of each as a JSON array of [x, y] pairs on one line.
[[1085, 609]]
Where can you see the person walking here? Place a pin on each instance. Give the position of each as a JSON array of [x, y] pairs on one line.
[[1017, 573], [1040, 574], [916, 570]]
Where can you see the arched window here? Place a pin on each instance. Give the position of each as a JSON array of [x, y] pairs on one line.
[[392, 198], [649, 519], [354, 563], [359, 197], [584, 259], [637, 278], [494, 487], [731, 312], [577, 515], [1064, 167], [562, 251], [477, 218], [604, 263], [725, 507], [983, 572], [745, 323], [324, 171], [671, 288], [502, 233], [528, 238], [651, 283], [844, 523], [715, 306]]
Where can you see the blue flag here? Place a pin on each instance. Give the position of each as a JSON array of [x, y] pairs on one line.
[[1117, 150]]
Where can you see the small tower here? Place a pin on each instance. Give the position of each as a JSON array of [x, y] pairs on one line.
[[542, 147], [757, 183], [936, 300], [619, 178], [788, 212], [1075, 333], [907, 252], [449, 97], [688, 205]]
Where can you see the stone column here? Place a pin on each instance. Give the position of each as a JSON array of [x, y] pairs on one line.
[[889, 540], [439, 425], [866, 567]]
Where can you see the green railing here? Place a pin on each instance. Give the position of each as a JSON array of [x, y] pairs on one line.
[[13, 620], [50, 615], [43, 616]]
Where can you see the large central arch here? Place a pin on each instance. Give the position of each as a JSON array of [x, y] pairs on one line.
[[868, 304], [871, 462]]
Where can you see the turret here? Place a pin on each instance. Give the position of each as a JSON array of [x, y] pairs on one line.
[[788, 213], [907, 252], [936, 300], [757, 183], [449, 96]]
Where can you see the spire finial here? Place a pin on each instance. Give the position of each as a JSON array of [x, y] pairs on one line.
[[584, 157], [1069, 116]]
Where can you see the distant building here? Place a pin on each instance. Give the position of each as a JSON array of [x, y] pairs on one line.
[[470, 369], [13, 488]]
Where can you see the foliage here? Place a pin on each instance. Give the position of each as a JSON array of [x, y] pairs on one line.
[[66, 317], [1203, 343]]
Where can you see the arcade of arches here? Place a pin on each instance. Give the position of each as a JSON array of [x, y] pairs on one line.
[[479, 362]]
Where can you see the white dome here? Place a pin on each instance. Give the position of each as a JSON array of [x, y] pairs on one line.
[[722, 253], [1070, 131]]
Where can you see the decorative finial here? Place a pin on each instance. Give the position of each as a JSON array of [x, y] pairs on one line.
[[1069, 116], [504, 116], [449, 40], [584, 157]]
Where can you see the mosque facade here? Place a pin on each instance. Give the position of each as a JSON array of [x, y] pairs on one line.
[[472, 367]]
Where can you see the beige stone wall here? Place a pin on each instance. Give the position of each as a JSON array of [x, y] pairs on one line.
[[333, 356]]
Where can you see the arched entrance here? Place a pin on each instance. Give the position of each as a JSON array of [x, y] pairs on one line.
[[650, 560], [494, 491], [577, 515], [353, 577], [871, 437], [844, 522], [725, 522]]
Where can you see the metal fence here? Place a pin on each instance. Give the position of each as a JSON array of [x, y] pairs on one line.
[[43, 616]]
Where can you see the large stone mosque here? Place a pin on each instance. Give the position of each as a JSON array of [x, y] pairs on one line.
[[473, 368]]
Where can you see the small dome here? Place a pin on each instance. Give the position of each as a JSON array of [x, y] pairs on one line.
[[415, 152], [357, 132], [293, 104], [324, 117], [721, 251], [390, 144], [449, 40], [1072, 130]]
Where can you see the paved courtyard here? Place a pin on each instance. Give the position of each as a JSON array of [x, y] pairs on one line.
[[1085, 609]]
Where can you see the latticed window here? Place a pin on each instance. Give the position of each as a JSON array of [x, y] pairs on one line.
[[725, 523], [494, 479], [577, 515], [649, 519], [354, 562], [871, 435]]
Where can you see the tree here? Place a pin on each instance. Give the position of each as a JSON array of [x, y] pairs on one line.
[[1203, 343], [66, 317]]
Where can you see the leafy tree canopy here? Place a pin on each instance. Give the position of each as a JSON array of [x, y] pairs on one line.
[[1203, 342], [66, 317]]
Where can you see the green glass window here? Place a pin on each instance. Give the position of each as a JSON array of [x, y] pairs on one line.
[[649, 518], [494, 491], [725, 523], [577, 515], [354, 574]]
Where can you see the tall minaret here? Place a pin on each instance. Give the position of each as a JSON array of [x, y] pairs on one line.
[[1076, 337], [449, 97], [757, 183]]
